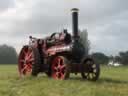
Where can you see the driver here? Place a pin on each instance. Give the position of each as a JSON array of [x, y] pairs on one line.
[[64, 37], [67, 38]]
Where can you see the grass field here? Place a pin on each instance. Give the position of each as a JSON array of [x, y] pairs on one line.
[[113, 82]]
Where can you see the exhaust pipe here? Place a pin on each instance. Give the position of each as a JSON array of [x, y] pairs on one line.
[[75, 23]]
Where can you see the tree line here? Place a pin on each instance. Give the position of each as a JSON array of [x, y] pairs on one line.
[[8, 55], [101, 58]]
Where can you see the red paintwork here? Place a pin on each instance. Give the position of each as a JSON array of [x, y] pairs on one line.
[[58, 68], [58, 48], [26, 60]]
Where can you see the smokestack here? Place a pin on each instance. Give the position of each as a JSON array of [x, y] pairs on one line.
[[75, 23]]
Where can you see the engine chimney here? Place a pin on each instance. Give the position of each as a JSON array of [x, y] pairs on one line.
[[75, 23]]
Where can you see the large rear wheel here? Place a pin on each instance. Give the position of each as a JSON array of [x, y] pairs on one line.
[[60, 68], [29, 61], [90, 70]]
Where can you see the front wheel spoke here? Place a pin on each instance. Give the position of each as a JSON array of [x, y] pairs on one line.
[[89, 62], [94, 75], [88, 77], [94, 70], [86, 74], [91, 75], [94, 66]]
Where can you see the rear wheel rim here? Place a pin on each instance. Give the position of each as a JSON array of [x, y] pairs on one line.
[[26, 59], [58, 68]]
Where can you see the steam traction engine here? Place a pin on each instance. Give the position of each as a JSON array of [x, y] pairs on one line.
[[58, 55]]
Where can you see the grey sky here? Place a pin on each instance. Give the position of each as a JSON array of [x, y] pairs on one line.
[[105, 20]]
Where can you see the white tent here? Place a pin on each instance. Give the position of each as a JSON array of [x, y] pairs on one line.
[[112, 63]]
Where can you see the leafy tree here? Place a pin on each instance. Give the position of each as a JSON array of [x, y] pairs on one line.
[[124, 57], [84, 40], [8, 55], [100, 58], [117, 59]]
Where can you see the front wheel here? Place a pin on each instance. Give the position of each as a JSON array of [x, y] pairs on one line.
[[90, 70], [60, 68]]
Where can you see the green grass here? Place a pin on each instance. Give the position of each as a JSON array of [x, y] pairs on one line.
[[113, 82]]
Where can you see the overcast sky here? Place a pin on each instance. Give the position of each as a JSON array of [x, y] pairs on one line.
[[105, 20]]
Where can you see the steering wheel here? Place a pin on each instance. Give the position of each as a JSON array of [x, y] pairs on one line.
[[53, 35]]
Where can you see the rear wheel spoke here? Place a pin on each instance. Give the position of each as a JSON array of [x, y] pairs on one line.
[[59, 62], [60, 68], [22, 61], [24, 68], [31, 60], [29, 55], [26, 60], [62, 75], [63, 66], [55, 69]]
